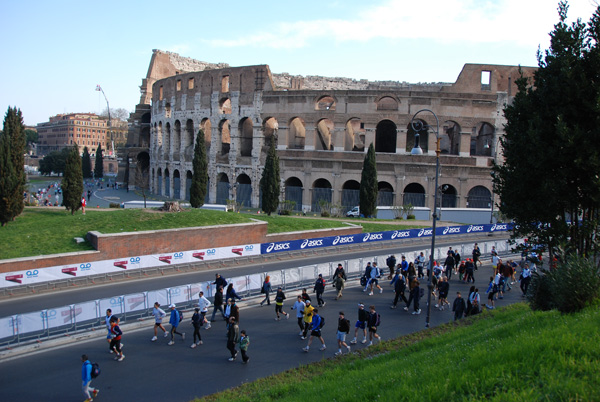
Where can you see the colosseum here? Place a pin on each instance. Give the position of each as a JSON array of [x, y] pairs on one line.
[[322, 127]]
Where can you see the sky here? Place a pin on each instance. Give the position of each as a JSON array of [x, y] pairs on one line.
[[54, 53]]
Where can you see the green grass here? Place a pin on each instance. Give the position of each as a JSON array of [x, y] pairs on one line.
[[512, 354], [40, 231]]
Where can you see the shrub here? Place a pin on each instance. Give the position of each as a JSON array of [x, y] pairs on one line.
[[286, 212], [410, 216], [325, 214], [114, 205], [569, 288]]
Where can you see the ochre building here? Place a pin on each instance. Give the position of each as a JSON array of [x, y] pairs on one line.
[[323, 127]]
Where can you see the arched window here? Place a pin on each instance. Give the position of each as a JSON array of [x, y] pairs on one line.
[[325, 103], [293, 192], [385, 136], [479, 197], [350, 195], [414, 194], [385, 194], [387, 103], [321, 194]]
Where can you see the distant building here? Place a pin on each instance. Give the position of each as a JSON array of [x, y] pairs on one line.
[[83, 129]]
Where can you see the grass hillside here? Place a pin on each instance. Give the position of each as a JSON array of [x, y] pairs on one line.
[[40, 231], [510, 354]]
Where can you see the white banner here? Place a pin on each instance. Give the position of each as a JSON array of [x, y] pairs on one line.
[[86, 311], [59, 317], [62, 272], [135, 302], [31, 322], [160, 296], [7, 327], [178, 294]]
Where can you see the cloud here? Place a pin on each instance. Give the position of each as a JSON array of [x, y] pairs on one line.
[[522, 23]]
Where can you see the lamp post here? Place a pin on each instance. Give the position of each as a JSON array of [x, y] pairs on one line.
[[487, 146], [99, 89], [418, 125]]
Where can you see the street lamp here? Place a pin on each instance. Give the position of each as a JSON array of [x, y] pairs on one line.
[[99, 89], [418, 125]]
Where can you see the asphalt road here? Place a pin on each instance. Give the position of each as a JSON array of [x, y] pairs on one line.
[[154, 371]]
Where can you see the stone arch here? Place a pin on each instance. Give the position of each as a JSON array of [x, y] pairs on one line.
[[293, 192], [222, 189], [243, 190], [176, 142], [450, 138], [423, 137], [159, 134], [188, 137], [296, 133], [206, 126], [387, 103], [225, 106], [321, 190], [145, 137], [168, 110], [479, 197], [167, 179], [270, 126], [176, 185], [482, 135], [385, 136], [325, 102], [385, 194], [188, 183], [246, 131], [146, 118], [448, 196], [142, 170], [225, 136], [354, 138], [323, 135], [350, 195], [414, 194], [159, 182], [167, 140]]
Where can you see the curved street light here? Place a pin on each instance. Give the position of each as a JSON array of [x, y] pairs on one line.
[[418, 125]]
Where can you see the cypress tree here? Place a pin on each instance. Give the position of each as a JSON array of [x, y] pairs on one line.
[[99, 167], [200, 172], [368, 184], [269, 182], [7, 180], [72, 184], [14, 128], [86, 164]]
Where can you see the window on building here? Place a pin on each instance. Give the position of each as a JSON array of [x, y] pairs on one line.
[[160, 93], [486, 80], [191, 83], [179, 85], [225, 84]]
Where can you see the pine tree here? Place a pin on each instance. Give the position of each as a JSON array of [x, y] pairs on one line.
[[99, 166], [7, 180], [368, 184], [269, 183], [200, 172], [72, 184], [86, 164], [14, 128]]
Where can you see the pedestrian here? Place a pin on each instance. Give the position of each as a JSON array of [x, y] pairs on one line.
[[342, 330], [443, 289], [174, 320], [158, 314], [197, 321], [361, 323], [373, 324], [374, 282], [89, 193], [244, 342], [457, 259], [414, 296], [411, 272], [86, 379], [469, 271], [391, 263], [219, 281], [107, 318], [338, 270], [266, 290], [338, 283], [525, 279], [449, 264], [305, 296], [367, 277], [399, 284], [495, 262], [83, 204], [316, 325], [231, 293], [299, 306], [279, 298], [232, 310], [475, 300], [476, 255], [458, 307], [203, 304], [308, 315], [233, 337], [115, 343], [319, 289], [491, 291], [420, 264], [218, 304]]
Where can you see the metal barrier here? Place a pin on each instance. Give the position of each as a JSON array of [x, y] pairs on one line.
[[84, 316]]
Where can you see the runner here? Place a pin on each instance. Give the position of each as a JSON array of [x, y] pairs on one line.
[[361, 323], [158, 314]]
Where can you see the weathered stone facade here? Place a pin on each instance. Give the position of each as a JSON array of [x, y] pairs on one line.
[[323, 127]]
